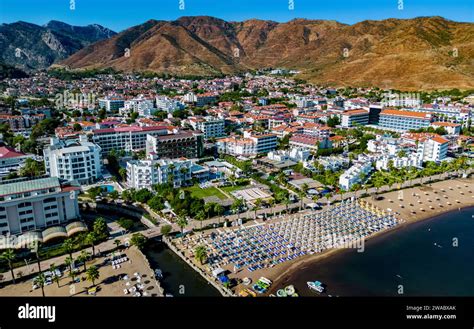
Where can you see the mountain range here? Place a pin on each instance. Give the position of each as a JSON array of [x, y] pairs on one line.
[[30, 47], [409, 54]]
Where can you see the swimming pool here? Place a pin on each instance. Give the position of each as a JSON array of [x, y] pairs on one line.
[[108, 188]]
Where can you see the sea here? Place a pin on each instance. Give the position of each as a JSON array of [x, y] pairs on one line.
[[433, 257]]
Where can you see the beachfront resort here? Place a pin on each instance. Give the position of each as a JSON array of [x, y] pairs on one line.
[[239, 177]]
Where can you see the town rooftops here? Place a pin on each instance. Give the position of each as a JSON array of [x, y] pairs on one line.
[[305, 139], [8, 152], [446, 124], [409, 114], [130, 129], [355, 112], [22, 186]]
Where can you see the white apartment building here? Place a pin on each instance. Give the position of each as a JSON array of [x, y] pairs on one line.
[[433, 149], [167, 104], [294, 154], [411, 160], [111, 103], [451, 128], [131, 138], [146, 173], [27, 205], [141, 105], [352, 118], [264, 143], [73, 160], [353, 175], [209, 126]]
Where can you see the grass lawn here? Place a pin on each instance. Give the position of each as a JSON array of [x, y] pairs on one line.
[[229, 189], [198, 192]]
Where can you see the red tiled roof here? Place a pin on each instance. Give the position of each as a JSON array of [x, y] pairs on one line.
[[8, 152]]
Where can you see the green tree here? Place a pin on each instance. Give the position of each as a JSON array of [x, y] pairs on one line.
[[100, 228], [92, 274], [83, 257], [32, 168], [40, 281], [200, 254], [166, 229], [52, 269], [126, 223], [9, 256], [92, 239], [257, 205], [69, 262], [68, 246], [182, 223], [138, 240]]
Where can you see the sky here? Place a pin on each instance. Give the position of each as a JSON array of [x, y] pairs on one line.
[[121, 14]]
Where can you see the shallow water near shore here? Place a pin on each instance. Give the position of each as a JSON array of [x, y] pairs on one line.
[[179, 279], [421, 259]]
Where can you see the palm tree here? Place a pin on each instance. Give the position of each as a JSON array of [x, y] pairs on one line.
[[219, 210], [272, 205], [236, 207], [37, 249], [200, 254], [91, 239], [9, 256], [92, 274], [200, 216], [287, 202], [52, 269], [182, 223], [68, 246], [117, 243], [40, 281], [83, 257], [208, 207], [257, 205], [301, 195], [69, 261]]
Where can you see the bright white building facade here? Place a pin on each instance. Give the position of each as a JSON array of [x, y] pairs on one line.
[[73, 160]]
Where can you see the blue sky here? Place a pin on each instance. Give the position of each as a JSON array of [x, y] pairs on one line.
[[120, 14]]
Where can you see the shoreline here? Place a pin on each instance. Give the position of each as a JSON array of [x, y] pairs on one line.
[[279, 275], [279, 279]]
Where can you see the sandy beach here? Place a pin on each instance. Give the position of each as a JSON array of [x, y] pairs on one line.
[[410, 205], [110, 282], [443, 197]]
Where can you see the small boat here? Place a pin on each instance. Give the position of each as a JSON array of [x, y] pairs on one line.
[[316, 286], [290, 290], [281, 293], [158, 274]]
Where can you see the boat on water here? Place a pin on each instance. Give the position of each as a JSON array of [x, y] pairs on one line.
[[290, 290], [316, 286], [281, 293], [158, 274]]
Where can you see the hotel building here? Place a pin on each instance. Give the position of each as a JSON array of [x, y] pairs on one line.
[[404, 120], [209, 126], [111, 103], [73, 160], [186, 144], [27, 205], [131, 138], [352, 118], [179, 172]]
